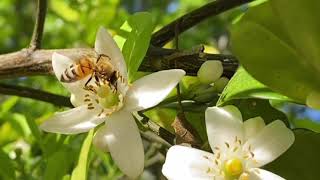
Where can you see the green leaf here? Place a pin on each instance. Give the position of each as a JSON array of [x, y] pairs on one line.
[[306, 124], [80, 171], [301, 161], [8, 104], [300, 21], [34, 130], [19, 122], [137, 43], [268, 53], [242, 86], [59, 163], [6, 166]]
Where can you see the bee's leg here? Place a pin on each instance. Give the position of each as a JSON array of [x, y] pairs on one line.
[[114, 80], [86, 84], [89, 87], [97, 80]]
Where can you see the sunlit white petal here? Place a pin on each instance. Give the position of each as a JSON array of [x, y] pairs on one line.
[[187, 163], [260, 174], [270, 143], [73, 121], [150, 90], [253, 126], [224, 125], [105, 44], [122, 136], [59, 64]]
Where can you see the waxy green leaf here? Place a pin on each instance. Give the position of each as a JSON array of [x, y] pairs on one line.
[[272, 55], [242, 86], [80, 171], [137, 42]]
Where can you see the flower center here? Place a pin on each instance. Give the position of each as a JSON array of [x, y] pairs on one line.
[[233, 167], [107, 97]]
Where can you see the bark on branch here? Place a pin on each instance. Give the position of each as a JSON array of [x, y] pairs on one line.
[[28, 63]]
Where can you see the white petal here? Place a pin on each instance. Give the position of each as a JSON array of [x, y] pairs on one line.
[[150, 90], [260, 174], [59, 64], [122, 136], [187, 163], [270, 143], [224, 125], [100, 140], [253, 126], [76, 100], [106, 45], [73, 121]]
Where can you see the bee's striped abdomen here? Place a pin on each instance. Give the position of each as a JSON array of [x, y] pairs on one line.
[[77, 71]]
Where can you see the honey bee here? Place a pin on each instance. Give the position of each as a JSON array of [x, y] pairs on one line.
[[100, 69]]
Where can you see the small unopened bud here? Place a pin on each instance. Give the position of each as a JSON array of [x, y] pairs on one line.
[[210, 71], [313, 100], [220, 84]]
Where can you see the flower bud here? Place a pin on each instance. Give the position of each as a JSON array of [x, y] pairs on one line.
[[220, 84], [210, 71]]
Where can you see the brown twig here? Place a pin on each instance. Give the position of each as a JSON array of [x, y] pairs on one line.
[[160, 131], [39, 25], [35, 94], [166, 34], [29, 63]]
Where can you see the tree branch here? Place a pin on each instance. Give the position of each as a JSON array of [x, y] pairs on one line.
[[39, 24], [160, 131], [28, 63], [35, 94], [166, 34]]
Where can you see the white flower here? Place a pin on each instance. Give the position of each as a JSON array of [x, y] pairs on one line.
[[239, 149], [102, 103]]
